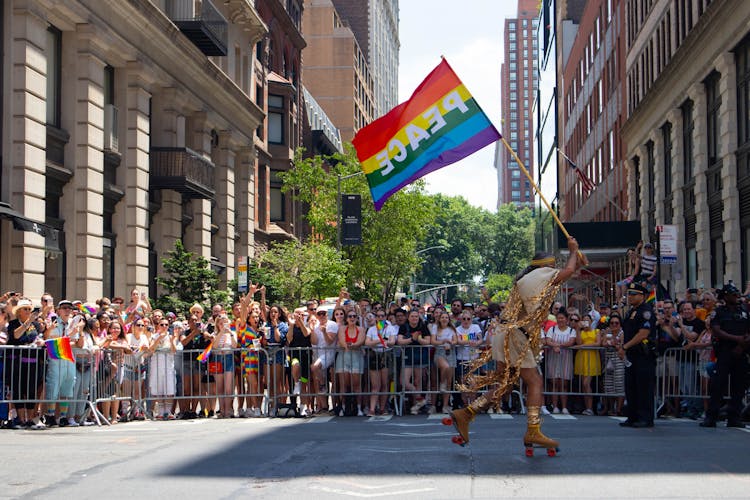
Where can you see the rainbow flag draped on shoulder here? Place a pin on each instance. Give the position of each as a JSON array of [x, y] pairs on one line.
[[440, 124]]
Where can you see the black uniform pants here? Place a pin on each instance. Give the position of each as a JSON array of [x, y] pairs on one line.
[[730, 369], [640, 379]]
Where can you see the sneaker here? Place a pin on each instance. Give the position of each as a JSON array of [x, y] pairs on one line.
[[171, 417], [587, 412], [556, 411], [545, 411], [417, 406], [87, 423], [241, 413], [37, 425], [360, 413], [72, 422], [63, 422], [565, 411], [297, 388], [50, 421], [16, 424], [308, 412], [446, 410]]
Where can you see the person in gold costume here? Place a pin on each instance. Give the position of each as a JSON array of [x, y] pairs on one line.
[[516, 346]]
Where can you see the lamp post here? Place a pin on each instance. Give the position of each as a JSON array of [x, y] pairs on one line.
[[413, 285]]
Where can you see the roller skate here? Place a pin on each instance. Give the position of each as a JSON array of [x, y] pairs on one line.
[[534, 437], [460, 420]]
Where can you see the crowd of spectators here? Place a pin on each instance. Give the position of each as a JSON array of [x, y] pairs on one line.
[[346, 358]]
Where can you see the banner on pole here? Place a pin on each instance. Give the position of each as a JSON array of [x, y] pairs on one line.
[[667, 243], [242, 274]]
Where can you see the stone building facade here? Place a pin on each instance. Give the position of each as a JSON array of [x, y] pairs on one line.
[[125, 126], [688, 132]]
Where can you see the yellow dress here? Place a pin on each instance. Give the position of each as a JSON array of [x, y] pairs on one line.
[[588, 362]]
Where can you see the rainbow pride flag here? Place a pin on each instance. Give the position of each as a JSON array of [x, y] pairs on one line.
[[59, 348], [87, 309], [381, 325], [440, 124], [203, 357], [651, 296]]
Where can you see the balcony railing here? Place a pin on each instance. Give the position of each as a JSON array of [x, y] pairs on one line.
[[207, 29], [182, 170]]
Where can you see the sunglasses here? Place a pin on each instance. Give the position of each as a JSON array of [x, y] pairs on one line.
[[352, 316], [139, 324], [163, 324], [321, 313]]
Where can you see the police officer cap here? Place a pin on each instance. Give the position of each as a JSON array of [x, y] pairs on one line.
[[730, 288], [637, 288]]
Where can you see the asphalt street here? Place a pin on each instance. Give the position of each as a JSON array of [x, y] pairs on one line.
[[379, 457]]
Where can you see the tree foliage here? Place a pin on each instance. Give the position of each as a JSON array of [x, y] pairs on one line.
[[508, 240], [188, 279], [387, 257], [498, 286], [304, 271]]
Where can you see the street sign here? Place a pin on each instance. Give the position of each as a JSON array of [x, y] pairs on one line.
[[242, 274], [667, 243]]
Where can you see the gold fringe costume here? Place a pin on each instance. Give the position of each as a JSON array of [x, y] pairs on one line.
[[526, 309]]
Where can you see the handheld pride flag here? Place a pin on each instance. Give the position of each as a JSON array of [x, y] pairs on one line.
[[440, 124], [380, 325], [203, 357], [651, 296], [59, 348], [87, 309]]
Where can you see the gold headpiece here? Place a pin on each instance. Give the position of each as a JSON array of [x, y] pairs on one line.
[[547, 261]]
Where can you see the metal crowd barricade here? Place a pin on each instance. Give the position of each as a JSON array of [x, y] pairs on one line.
[[565, 371], [25, 371], [684, 374]]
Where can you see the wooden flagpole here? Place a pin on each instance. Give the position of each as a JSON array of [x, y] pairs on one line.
[[583, 258]]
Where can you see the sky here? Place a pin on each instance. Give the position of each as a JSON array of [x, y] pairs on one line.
[[469, 35]]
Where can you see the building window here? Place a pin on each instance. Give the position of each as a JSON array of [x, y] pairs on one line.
[[515, 174], [278, 202], [275, 119], [54, 69], [713, 104], [667, 138], [687, 140]]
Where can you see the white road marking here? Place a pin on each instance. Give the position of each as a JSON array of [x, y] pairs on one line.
[[319, 420], [560, 416], [380, 418], [501, 416]]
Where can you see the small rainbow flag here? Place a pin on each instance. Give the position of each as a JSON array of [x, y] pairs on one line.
[[59, 348], [440, 124], [87, 309], [381, 325], [651, 296], [203, 357]]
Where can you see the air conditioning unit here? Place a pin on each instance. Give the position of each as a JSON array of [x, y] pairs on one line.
[[111, 135]]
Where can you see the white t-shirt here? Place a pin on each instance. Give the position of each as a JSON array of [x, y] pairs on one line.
[[472, 334], [330, 326], [555, 334], [387, 333]]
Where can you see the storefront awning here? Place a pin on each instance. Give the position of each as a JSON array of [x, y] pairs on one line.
[[22, 223]]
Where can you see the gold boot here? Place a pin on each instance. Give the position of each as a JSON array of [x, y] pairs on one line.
[[463, 417], [534, 434]]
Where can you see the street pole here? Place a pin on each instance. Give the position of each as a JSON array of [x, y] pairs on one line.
[[338, 206], [413, 285]]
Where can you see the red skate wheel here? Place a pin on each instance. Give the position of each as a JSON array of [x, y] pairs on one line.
[[447, 421], [551, 452], [529, 452], [457, 440]]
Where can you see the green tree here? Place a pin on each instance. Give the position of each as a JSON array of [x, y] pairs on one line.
[[457, 228], [188, 279], [508, 240], [304, 271], [498, 286], [387, 257]]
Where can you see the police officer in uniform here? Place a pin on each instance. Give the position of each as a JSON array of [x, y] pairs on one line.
[[639, 327], [730, 331]]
